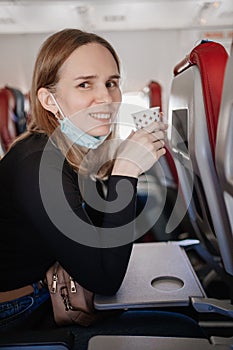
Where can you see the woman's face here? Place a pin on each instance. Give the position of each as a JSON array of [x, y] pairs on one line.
[[89, 85]]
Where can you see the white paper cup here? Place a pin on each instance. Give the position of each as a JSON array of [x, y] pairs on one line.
[[146, 117]]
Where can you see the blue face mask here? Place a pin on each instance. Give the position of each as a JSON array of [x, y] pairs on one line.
[[76, 135], [79, 137]]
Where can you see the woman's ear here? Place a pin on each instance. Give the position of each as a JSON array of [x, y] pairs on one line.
[[46, 100]]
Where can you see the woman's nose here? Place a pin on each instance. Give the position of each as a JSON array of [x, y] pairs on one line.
[[103, 95]]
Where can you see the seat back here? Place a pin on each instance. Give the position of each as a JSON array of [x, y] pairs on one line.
[[8, 131], [193, 118], [12, 116], [50, 339], [155, 94], [19, 110], [167, 163], [224, 144], [122, 342]]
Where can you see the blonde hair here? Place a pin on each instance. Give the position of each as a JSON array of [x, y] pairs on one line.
[[53, 53]]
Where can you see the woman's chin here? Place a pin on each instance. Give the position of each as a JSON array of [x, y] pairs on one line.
[[101, 131]]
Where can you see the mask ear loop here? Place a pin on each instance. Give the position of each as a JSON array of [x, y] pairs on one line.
[[57, 115], [58, 107]]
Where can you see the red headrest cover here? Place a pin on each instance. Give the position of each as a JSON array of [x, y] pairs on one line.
[[7, 125], [211, 59], [155, 94]]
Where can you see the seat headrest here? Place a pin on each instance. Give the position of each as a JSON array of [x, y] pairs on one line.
[[155, 93], [7, 124], [211, 59]]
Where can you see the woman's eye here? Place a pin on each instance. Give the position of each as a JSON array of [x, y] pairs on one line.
[[111, 84], [84, 85]]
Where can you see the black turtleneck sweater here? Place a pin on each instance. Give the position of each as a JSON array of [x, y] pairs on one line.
[[38, 227]]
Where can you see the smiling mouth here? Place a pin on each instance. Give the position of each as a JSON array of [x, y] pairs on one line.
[[100, 116]]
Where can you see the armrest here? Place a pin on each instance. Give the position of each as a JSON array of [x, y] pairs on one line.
[[223, 307]]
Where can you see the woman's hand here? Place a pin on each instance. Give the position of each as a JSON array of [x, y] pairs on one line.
[[140, 150]]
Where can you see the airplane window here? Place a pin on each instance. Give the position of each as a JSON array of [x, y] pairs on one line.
[[132, 102], [138, 98]]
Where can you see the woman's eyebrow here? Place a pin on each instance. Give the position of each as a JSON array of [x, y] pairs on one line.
[[115, 76], [87, 77]]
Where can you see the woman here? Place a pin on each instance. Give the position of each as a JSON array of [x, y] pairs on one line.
[[47, 211]]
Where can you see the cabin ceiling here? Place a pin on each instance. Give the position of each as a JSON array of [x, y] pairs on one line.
[[45, 16]]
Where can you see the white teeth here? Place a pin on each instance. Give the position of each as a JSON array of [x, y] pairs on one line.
[[100, 115]]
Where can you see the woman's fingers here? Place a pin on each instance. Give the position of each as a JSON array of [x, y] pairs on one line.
[[153, 132], [159, 144], [155, 126], [157, 135], [141, 149], [160, 152]]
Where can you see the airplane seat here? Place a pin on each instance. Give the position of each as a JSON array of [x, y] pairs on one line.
[[155, 183], [117, 342], [155, 94], [170, 181], [162, 180], [193, 119], [155, 97], [224, 147], [52, 339], [19, 109], [8, 131]]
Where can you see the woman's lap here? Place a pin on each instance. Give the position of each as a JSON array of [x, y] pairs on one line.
[[20, 313]]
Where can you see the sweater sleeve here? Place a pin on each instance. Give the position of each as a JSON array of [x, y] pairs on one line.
[[97, 257]]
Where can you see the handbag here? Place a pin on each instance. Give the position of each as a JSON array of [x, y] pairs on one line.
[[72, 304]]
